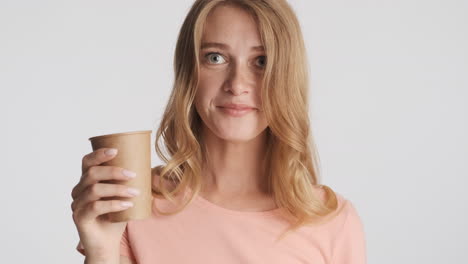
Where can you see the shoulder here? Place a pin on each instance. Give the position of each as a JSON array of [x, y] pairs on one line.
[[348, 234], [348, 218], [345, 208]]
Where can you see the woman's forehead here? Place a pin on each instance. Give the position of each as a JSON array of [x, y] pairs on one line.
[[230, 26]]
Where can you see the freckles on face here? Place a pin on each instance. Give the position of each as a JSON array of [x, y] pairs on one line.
[[231, 68]]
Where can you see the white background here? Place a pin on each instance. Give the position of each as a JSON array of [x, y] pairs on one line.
[[388, 108]]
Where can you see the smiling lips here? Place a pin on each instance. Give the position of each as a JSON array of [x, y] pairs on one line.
[[236, 110]]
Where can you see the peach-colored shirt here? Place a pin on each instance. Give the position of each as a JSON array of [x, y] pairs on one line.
[[207, 233]]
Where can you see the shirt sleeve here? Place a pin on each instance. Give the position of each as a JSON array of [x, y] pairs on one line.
[[125, 248], [350, 243]]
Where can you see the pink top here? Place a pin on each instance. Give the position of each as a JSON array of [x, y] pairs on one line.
[[207, 233]]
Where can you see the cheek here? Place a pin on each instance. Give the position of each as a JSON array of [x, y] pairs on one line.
[[209, 86], [203, 98], [211, 80]]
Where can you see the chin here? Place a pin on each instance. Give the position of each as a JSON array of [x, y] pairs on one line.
[[238, 136], [232, 137]]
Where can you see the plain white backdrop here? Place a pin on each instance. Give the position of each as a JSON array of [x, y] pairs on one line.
[[389, 113]]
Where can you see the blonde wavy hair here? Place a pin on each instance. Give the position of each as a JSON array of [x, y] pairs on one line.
[[291, 159]]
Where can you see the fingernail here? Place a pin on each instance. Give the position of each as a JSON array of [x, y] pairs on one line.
[[126, 204], [111, 152], [129, 174], [133, 191]]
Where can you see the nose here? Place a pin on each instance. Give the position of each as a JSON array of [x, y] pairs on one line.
[[239, 80]]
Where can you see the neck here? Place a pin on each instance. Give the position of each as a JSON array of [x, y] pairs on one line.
[[234, 168]]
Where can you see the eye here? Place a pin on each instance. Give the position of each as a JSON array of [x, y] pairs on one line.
[[262, 60], [216, 56]]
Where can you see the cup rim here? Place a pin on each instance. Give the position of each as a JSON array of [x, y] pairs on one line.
[[121, 134]]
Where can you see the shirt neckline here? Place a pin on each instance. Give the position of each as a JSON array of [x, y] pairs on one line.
[[199, 200]]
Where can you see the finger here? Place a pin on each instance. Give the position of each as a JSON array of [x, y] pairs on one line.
[[97, 157], [97, 208], [99, 190], [100, 173]]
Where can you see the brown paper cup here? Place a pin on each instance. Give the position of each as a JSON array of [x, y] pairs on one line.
[[134, 154]]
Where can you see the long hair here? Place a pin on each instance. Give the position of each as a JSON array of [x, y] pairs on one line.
[[291, 160]]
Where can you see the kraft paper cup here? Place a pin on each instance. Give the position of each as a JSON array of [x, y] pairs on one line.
[[134, 153]]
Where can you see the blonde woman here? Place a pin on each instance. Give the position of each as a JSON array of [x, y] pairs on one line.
[[240, 182]]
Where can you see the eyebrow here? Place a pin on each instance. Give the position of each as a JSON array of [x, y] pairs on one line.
[[206, 45]]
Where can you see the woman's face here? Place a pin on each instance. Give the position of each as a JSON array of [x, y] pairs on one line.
[[232, 62]]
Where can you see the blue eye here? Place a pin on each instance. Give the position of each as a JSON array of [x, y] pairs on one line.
[[215, 55]]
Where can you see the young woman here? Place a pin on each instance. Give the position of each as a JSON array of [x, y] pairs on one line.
[[240, 183]]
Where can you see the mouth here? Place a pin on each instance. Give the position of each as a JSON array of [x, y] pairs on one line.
[[237, 106], [236, 112]]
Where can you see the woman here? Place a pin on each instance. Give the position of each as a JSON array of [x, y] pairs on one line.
[[241, 183]]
